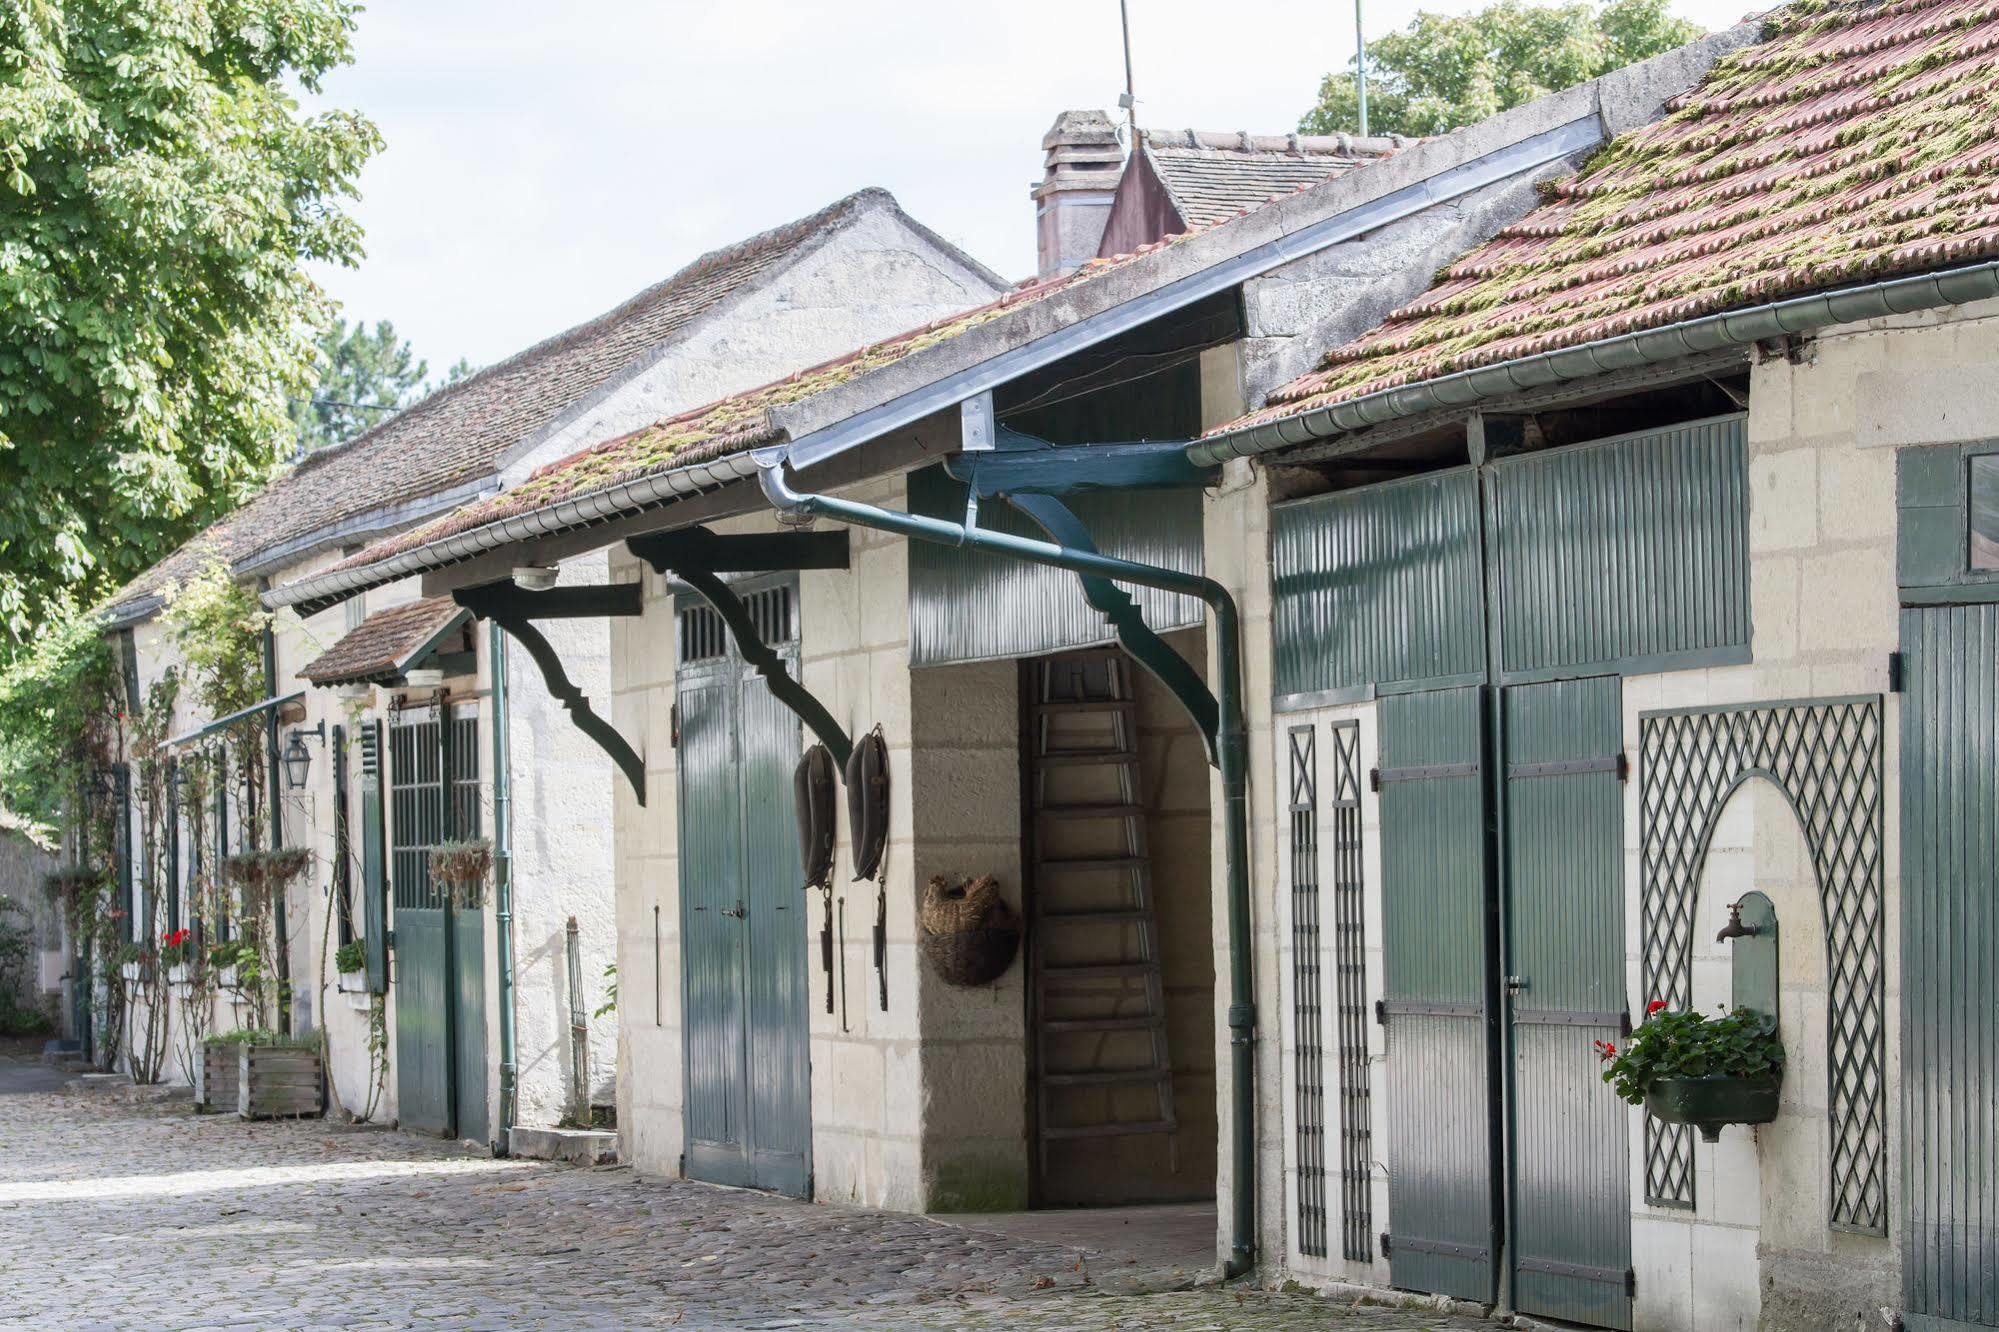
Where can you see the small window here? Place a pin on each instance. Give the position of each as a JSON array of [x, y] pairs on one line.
[[1985, 511]]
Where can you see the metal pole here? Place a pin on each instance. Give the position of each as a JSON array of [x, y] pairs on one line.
[[1360, 63], [1130, 89], [1232, 754], [579, 1029]]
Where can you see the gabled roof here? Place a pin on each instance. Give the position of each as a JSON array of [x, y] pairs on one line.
[[387, 643], [449, 447], [1856, 141], [1212, 176]]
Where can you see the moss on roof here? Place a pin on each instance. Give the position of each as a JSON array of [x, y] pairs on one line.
[[1856, 141]]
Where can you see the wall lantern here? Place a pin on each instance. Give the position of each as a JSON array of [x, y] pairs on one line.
[[297, 758]]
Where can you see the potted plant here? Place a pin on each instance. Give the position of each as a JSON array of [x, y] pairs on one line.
[[1687, 1068], [350, 960], [262, 1074], [177, 952]]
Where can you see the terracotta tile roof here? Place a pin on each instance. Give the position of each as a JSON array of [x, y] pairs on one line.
[[731, 425], [1856, 141], [1212, 176], [460, 435], [383, 644]]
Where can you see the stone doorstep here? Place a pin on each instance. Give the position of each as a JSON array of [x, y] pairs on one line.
[[579, 1146]]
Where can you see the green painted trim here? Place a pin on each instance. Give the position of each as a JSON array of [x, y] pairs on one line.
[[767, 662], [759, 552], [1730, 654], [1023, 464], [1168, 667], [571, 696]]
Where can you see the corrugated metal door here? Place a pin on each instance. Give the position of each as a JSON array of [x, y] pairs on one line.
[[1950, 962], [423, 1011], [374, 861], [744, 964], [713, 941], [1562, 870], [1436, 918]]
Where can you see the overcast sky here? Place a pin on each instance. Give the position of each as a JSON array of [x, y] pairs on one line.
[[545, 161]]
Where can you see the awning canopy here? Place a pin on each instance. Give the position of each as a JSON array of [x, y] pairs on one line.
[[223, 723], [388, 644]]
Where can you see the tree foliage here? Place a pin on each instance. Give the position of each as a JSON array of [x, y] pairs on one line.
[[160, 191], [1447, 70], [61, 713], [366, 375]]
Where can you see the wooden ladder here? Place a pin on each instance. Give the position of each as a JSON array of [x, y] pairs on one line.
[[1098, 986]]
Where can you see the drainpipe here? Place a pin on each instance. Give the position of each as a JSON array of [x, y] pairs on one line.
[[1232, 750], [503, 880], [275, 778]]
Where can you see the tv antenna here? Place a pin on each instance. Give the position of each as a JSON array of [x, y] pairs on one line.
[[1129, 99]]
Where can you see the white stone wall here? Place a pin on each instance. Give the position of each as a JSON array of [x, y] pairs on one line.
[[875, 277]]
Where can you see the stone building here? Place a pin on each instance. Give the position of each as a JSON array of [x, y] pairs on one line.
[[1531, 622], [378, 729]]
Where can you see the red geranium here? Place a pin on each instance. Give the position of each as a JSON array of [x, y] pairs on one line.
[[1654, 1007], [1605, 1050]]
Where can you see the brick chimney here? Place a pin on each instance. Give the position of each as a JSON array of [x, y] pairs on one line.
[[1072, 201]]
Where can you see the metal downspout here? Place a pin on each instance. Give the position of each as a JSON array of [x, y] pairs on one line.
[[1232, 759], [503, 880], [274, 778]]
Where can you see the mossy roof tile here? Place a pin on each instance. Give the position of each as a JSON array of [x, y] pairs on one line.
[[1856, 141]]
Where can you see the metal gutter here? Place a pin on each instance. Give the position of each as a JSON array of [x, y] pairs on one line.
[[1689, 337], [1502, 164], [503, 884], [241, 714], [1232, 757], [322, 590]]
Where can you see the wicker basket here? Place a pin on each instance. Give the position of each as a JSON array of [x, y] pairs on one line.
[[969, 933]]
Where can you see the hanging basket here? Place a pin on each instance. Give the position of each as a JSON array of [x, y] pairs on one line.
[[461, 869], [968, 932]]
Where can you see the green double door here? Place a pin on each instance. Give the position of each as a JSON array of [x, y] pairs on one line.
[[1503, 924], [440, 946], [744, 976], [1950, 969]]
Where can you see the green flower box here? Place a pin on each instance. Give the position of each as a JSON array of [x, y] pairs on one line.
[[1709, 1103]]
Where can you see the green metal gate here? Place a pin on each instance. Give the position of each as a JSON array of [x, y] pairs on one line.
[[1950, 959], [1562, 873], [743, 931], [1436, 940], [440, 974]]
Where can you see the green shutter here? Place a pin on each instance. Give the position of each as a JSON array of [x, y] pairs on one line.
[[374, 881]]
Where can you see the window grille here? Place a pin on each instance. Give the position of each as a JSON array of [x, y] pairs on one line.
[[1308, 1059], [1350, 989]]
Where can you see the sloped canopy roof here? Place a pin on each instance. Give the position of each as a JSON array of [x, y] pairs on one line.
[[449, 446], [1856, 141], [386, 644]]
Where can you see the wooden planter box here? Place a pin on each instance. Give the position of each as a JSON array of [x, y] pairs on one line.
[[278, 1082], [218, 1076]]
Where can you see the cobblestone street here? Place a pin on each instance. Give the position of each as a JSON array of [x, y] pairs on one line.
[[122, 1215]]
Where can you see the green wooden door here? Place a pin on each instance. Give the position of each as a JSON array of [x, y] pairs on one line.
[[1562, 873], [744, 957], [1436, 927], [1950, 969]]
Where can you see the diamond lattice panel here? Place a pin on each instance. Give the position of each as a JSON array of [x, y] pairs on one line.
[[1826, 758]]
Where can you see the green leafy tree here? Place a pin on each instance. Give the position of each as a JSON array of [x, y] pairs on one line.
[[366, 375], [1447, 70], [160, 193]]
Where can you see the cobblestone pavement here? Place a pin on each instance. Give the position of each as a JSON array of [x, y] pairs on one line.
[[122, 1215]]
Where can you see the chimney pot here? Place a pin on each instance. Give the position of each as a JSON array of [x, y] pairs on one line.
[[1082, 163]]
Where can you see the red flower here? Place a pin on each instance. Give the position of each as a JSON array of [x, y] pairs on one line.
[[1605, 1050], [1654, 1007]]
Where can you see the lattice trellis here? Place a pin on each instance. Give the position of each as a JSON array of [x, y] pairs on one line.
[[1350, 991], [1308, 1061], [1825, 756]]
